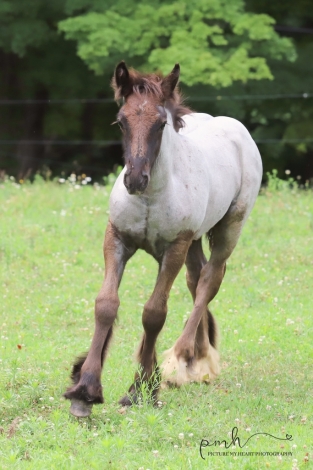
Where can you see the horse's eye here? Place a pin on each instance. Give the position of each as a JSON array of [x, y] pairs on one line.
[[163, 125]]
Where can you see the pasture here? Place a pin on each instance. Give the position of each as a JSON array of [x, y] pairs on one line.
[[51, 269]]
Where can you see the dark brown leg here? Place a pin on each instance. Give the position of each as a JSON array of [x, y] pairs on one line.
[[207, 329], [193, 358], [153, 319], [86, 374]]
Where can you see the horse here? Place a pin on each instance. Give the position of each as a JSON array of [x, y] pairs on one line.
[[187, 175]]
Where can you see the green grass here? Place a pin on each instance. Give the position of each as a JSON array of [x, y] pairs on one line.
[[51, 269]]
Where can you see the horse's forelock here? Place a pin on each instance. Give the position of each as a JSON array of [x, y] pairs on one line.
[[151, 84]]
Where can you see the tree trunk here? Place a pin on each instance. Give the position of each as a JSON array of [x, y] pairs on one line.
[[29, 153], [87, 122]]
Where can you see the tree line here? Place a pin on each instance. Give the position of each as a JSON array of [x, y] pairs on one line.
[[249, 60]]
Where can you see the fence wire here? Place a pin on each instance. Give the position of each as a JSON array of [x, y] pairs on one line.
[[276, 96], [104, 143]]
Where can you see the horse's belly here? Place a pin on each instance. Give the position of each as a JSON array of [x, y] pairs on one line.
[[150, 233]]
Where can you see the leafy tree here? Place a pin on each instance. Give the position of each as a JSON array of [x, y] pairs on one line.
[[216, 41], [218, 44], [290, 120], [38, 63]]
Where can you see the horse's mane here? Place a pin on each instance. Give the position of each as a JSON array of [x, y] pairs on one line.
[[151, 84]]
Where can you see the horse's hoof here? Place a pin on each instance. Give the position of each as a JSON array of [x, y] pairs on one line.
[[80, 408], [128, 400]]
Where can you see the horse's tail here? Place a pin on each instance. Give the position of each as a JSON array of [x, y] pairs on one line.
[[210, 238], [213, 330], [75, 375]]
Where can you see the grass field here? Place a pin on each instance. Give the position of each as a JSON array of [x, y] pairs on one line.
[[51, 270]]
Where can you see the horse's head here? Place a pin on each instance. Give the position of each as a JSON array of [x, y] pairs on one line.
[[142, 119]]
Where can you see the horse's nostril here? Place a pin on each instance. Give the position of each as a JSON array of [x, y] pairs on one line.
[[145, 180], [136, 183], [126, 181]]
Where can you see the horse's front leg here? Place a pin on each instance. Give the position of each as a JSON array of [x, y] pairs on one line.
[[153, 318], [86, 373]]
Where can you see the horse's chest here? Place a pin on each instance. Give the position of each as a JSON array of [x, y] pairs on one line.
[[150, 226], [164, 223]]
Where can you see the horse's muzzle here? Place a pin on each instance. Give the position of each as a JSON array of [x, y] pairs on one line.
[[136, 184]]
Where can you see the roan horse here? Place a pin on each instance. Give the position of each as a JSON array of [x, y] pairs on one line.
[[185, 175]]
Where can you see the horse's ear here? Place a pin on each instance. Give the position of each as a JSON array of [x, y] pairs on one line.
[[170, 81], [122, 82]]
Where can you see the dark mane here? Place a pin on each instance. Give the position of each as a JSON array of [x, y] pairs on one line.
[[151, 84]]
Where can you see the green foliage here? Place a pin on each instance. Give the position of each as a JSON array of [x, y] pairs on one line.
[[285, 119], [24, 24], [274, 183], [111, 178], [38, 63], [216, 42]]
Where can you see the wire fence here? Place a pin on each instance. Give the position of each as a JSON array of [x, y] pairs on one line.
[[207, 98], [277, 96], [67, 166], [118, 142], [60, 142]]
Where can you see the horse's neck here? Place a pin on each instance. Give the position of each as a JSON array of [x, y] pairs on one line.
[[162, 172]]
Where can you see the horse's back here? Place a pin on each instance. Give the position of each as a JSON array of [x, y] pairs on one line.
[[193, 121], [248, 157], [226, 143], [230, 160]]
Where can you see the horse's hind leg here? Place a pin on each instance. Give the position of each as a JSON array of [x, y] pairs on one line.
[[153, 319], [207, 328], [86, 374], [206, 336], [205, 354], [192, 358]]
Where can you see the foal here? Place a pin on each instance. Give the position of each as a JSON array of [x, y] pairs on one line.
[[186, 175]]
